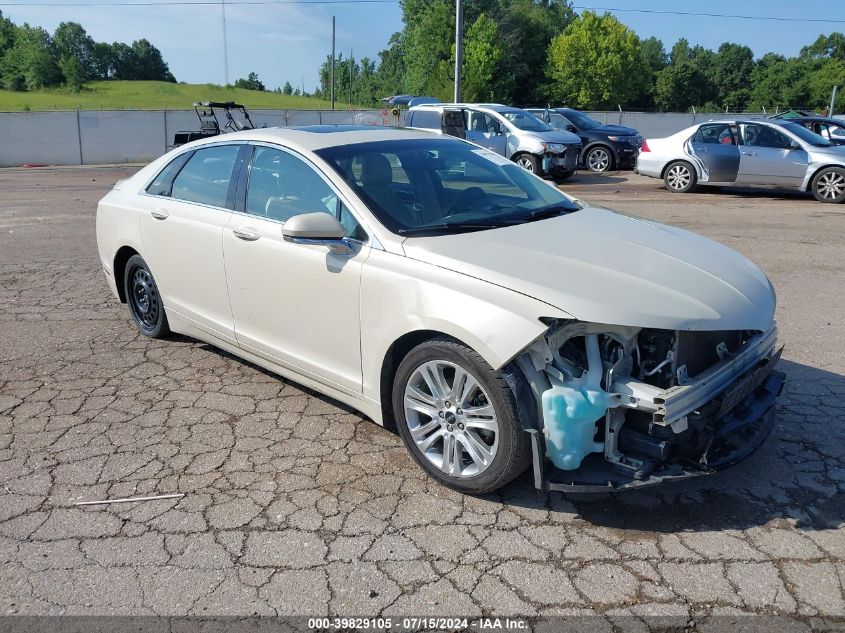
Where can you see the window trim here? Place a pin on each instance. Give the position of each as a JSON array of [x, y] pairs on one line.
[[193, 150], [245, 170]]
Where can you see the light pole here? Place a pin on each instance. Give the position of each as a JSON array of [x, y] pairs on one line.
[[459, 47], [332, 71]]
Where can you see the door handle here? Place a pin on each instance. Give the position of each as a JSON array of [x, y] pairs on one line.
[[159, 214], [749, 153], [246, 235]]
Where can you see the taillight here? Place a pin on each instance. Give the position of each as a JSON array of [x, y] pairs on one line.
[[644, 147]]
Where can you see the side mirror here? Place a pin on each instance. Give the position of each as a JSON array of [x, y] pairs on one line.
[[572, 128], [317, 229], [793, 145]]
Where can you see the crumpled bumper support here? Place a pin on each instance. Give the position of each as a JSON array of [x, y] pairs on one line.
[[730, 427]]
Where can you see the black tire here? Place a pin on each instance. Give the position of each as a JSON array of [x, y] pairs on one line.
[[829, 185], [143, 299], [512, 452], [560, 176], [599, 160], [680, 177], [528, 162]]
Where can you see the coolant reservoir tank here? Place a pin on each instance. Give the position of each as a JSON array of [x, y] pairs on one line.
[[570, 415]]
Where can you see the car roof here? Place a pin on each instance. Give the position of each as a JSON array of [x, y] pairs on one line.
[[804, 119], [315, 137]]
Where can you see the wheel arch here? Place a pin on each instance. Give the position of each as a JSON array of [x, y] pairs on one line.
[[809, 185], [687, 160], [604, 145], [392, 357], [121, 257]]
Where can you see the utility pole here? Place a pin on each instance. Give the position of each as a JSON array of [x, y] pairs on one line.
[[833, 101], [332, 71], [459, 47], [351, 69], [225, 45]]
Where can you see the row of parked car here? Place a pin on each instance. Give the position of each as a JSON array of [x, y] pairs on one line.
[[803, 152], [553, 142]]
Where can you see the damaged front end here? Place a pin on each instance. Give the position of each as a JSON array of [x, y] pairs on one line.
[[613, 407]]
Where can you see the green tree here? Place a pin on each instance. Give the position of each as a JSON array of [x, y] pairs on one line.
[[654, 59], [826, 47], [595, 63], [31, 62], [679, 86], [252, 82], [149, 62], [483, 79], [778, 84], [427, 40], [75, 49], [731, 75], [822, 79], [390, 74], [287, 89], [526, 28]]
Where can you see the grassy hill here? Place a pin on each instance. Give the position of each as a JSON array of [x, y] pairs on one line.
[[151, 95]]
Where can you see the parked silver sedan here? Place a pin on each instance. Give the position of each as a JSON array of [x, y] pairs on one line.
[[747, 153]]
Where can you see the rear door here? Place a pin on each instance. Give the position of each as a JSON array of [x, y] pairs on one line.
[[183, 236], [768, 158], [484, 130], [715, 145]]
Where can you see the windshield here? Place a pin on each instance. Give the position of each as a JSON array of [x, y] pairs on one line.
[[526, 121], [582, 121], [430, 186], [807, 136]]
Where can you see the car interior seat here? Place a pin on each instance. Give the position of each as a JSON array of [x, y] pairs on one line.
[[376, 177]]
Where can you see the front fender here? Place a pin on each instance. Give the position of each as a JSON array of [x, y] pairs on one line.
[[400, 295]]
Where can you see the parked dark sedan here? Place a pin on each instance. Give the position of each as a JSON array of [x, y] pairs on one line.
[[831, 129], [603, 147]]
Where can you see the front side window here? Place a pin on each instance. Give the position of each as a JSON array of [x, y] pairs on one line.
[[583, 121], [420, 186], [559, 122], [282, 186], [763, 136], [807, 135], [206, 176], [480, 122], [525, 121]]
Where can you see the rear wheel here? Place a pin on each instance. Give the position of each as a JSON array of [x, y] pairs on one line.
[[143, 299], [599, 160], [680, 177], [457, 417], [528, 162], [560, 176], [829, 185]]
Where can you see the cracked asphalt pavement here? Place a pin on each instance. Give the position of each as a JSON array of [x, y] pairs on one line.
[[296, 505]]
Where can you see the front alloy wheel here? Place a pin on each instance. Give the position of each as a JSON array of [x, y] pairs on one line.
[[598, 160], [451, 419], [829, 185], [458, 417], [528, 163]]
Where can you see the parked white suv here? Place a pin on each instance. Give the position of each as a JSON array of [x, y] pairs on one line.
[[511, 132]]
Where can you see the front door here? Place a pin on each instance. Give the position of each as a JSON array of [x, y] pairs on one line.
[[484, 130], [183, 237], [294, 304], [715, 145], [769, 158]]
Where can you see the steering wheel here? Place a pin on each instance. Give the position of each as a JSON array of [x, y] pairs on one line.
[[468, 195]]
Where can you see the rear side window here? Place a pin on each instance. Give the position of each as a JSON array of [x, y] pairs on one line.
[[206, 176], [428, 119], [163, 182], [716, 134]]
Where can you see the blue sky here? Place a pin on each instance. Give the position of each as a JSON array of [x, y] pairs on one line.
[[289, 42]]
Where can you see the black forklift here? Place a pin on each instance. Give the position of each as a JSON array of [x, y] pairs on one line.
[[234, 115]]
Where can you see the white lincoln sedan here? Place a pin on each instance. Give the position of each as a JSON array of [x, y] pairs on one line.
[[442, 290]]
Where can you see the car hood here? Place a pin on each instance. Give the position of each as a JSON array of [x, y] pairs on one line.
[[556, 136], [616, 130], [604, 267]]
